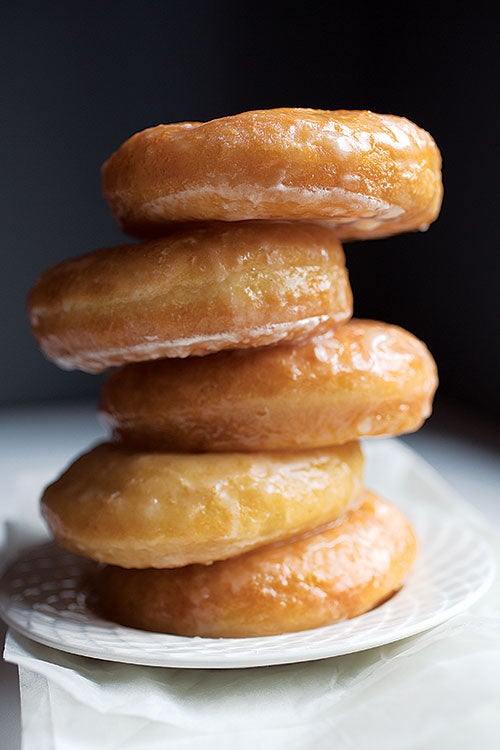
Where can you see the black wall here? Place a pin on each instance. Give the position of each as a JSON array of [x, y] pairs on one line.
[[77, 79]]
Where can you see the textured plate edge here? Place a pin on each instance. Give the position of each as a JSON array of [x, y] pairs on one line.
[[237, 661]]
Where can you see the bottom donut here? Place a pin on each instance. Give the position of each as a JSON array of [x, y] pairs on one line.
[[332, 574]]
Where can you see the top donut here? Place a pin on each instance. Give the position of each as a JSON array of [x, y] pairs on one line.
[[370, 175]]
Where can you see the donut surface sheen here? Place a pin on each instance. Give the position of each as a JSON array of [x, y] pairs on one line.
[[198, 290], [141, 510], [333, 574], [369, 174], [364, 378]]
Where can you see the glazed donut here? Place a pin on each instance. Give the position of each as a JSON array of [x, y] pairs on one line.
[[198, 290], [371, 175], [333, 574], [162, 510], [364, 378]]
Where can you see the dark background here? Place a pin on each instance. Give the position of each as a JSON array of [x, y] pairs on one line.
[[78, 79]]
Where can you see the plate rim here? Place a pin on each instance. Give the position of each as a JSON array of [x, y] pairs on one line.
[[314, 653]]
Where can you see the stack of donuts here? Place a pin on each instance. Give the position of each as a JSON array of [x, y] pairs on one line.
[[229, 499]]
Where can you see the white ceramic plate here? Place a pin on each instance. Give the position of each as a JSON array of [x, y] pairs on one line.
[[40, 595]]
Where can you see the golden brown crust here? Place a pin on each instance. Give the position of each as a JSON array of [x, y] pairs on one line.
[[371, 175], [202, 289], [335, 574], [142, 510], [365, 378]]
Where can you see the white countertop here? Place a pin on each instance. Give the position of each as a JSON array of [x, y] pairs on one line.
[[464, 448]]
